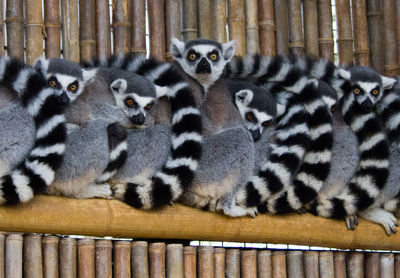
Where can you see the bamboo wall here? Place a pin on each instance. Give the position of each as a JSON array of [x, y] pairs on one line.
[[368, 31], [35, 255]]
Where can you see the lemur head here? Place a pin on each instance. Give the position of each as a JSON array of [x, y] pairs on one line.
[[328, 95], [135, 95], [204, 60], [256, 106], [66, 77], [366, 85]]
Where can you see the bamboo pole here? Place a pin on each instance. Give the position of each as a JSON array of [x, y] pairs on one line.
[[398, 30], [374, 16], [52, 25], [121, 26], [67, 258], [155, 10], [140, 264], [295, 266], [204, 16], [219, 262], [371, 265], [50, 256], [310, 17], [86, 265], [218, 19], [189, 257], [87, 29], [232, 263], [326, 266], [344, 31], [205, 262], [103, 256], [279, 264], [390, 42], [251, 19], [13, 255], [266, 23], [157, 260], [311, 264], [355, 262], [15, 29], [397, 265], [2, 255], [325, 29], [339, 260], [264, 264], [33, 256], [172, 25], [281, 23], [236, 25], [175, 266], [248, 263], [33, 30], [122, 258], [296, 40], [189, 20], [387, 265], [361, 51], [138, 42], [70, 34], [2, 38], [103, 35]]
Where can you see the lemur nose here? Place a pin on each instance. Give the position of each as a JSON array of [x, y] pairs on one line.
[[203, 66], [256, 134], [367, 105], [138, 119], [63, 99]]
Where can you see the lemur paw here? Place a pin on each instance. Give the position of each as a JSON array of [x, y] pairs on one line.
[[104, 191], [351, 222], [383, 217], [238, 211], [301, 210]]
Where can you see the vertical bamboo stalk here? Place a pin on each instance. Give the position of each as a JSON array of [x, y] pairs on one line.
[[355, 262], [251, 16], [236, 25], [218, 19], [326, 268], [122, 258], [248, 263], [70, 34], [189, 257], [398, 30], [103, 35], [264, 264], [87, 30], [155, 10], [295, 264], [374, 16], [296, 40], [282, 30], [189, 20], [361, 51], [67, 258], [172, 25], [390, 42], [206, 262], [344, 31], [121, 26], [311, 264], [204, 16], [219, 262], [175, 260], [157, 260], [103, 255], [50, 256], [371, 265], [311, 27], [13, 255], [52, 25], [2, 255], [266, 23], [86, 264], [279, 264], [140, 264], [33, 256], [397, 265], [33, 30], [232, 263], [387, 265], [138, 42], [325, 29], [2, 52], [339, 260], [15, 29]]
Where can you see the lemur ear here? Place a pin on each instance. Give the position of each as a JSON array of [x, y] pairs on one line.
[[228, 50], [387, 82], [119, 86], [177, 48], [244, 96], [41, 64], [88, 75], [344, 74]]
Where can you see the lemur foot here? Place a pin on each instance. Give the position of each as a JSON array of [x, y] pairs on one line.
[[237, 211], [351, 222], [96, 191], [301, 210], [385, 218]]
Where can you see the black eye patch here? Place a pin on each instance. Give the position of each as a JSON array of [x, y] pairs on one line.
[[130, 102], [74, 86], [53, 82], [192, 55], [213, 55]]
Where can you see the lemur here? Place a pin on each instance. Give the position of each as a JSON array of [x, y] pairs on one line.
[[44, 98], [304, 121]]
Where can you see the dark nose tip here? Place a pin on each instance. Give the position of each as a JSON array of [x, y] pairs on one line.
[[368, 105], [138, 119], [255, 134], [63, 99], [203, 66]]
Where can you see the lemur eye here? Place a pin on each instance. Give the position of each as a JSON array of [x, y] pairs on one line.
[[333, 108], [213, 57], [53, 83], [266, 123], [375, 92], [250, 117], [148, 106], [192, 57], [356, 91], [72, 87], [129, 102]]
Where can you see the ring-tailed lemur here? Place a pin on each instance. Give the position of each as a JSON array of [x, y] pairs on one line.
[[44, 96]]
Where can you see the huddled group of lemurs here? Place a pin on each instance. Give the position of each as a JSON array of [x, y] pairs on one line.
[[239, 136]]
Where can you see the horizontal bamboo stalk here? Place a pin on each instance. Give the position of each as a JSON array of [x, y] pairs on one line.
[[218, 17], [296, 40], [266, 23], [356, 264], [70, 34], [387, 265], [282, 29], [33, 256], [204, 16], [310, 17], [264, 264], [33, 30], [157, 260], [13, 255], [344, 30], [189, 257], [236, 25], [155, 11], [233, 263], [121, 18], [175, 266], [325, 29], [103, 35], [248, 263], [219, 262], [339, 260], [326, 266], [311, 269], [67, 258], [251, 16], [375, 28], [361, 50], [50, 256], [52, 25], [390, 42], [15, 29], [172, 25], [122, 258], [86, 264], [140, 265], [87, 29], [189, 20], [138, 42], [103, 258]]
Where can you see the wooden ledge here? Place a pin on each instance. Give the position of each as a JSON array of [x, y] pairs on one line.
[[97, 217]]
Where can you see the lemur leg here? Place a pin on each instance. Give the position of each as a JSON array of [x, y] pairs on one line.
[[380, 216], [95, 190]]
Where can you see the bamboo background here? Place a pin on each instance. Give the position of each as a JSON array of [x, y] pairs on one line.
[[35, 255], [368, 31]]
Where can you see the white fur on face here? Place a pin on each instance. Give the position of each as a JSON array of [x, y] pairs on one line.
[[368, 87], [65, 81], [142, 101]]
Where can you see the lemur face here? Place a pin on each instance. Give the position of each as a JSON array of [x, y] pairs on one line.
[[328, 96], [204, 60], [134, 105]]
